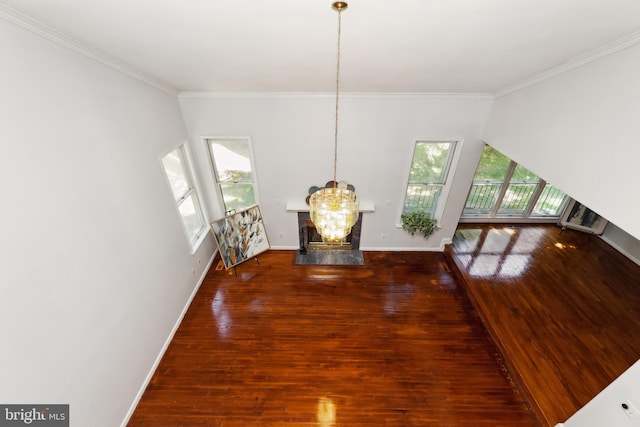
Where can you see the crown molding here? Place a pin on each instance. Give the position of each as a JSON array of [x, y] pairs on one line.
[[594, 55], [413, 95], [38, 28], [70, 43]]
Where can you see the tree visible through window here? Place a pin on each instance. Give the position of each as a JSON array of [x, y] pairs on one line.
[[427, 176], [502, 188], [233, 170]]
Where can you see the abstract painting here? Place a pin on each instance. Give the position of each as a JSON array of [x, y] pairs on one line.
[[240, 236]]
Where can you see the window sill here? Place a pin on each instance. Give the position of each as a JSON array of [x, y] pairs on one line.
[[199, 240]]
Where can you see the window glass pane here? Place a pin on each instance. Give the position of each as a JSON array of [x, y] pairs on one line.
[[421, 198], [427, 176], [232, 160], [487, 182], [238, 196], [482, 197], [522, 174], [430, 162], [190, 213], [175, 172], [551, 202], [493, 165], [524, 190], [516, 199], [521, 189], [233, 172], [181, 181]]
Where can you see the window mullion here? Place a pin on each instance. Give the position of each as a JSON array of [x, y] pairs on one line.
[[534, 198], [184, 196], [503, 189]]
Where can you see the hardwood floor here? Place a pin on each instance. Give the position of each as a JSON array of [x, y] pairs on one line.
[[563, 309], [392, 343]]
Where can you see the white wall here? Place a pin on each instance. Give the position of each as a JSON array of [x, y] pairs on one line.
[[95, 268], [292, 137], [580, 131], [606, 408]]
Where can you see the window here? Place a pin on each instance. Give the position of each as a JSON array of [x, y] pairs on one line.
[[504, 189], [180, 178], [428, 175], [233, 172]]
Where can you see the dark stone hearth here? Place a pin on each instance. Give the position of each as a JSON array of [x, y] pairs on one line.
[[330, 257]]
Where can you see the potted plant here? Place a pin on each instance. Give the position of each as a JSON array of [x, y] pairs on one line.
[[419, 222]]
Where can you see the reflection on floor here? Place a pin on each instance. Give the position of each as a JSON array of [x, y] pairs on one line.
[[504, 252], [561, 306], [392, 343]]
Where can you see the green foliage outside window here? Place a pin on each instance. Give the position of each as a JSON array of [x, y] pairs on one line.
[[493, 165], [429, 163], [427, 176], [521, 187], [234, 174]]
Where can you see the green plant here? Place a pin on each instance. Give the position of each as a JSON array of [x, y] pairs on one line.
[[419, 222]]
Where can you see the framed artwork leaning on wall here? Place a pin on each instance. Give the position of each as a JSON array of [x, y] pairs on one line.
[[579, 217], [240, 236]]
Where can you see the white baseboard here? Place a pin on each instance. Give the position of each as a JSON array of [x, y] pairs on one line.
[[400, 249], [375, 248], [444, 242], [284, 248], [152, 371], [621, 250]]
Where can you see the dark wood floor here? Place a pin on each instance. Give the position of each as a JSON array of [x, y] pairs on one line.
[[392, 343], [563, 309]]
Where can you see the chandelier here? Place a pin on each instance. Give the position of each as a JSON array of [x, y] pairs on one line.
[[335, 208]]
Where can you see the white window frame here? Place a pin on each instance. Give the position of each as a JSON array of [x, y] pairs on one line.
[[218, 184], [192, 192], [527, 215], [441, 203]]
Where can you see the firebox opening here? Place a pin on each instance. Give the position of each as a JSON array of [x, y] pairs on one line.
[[314, 251], [314, 239]]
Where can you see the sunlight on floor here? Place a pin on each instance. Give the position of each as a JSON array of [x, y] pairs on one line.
[[563, 246], [326, 412]]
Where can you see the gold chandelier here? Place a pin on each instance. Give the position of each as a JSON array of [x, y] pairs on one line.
[[335, 208]]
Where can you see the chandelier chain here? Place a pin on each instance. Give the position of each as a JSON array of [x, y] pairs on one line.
[[335, 140], [334, 210]]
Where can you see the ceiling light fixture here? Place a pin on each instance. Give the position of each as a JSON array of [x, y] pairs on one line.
[[335, 208]]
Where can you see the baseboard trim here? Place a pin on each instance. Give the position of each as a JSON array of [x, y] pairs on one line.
[[379, 249], [152, 371], [401, 249], [620, 249]]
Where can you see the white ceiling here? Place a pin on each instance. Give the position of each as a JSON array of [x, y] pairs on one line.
[[387, 46]]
